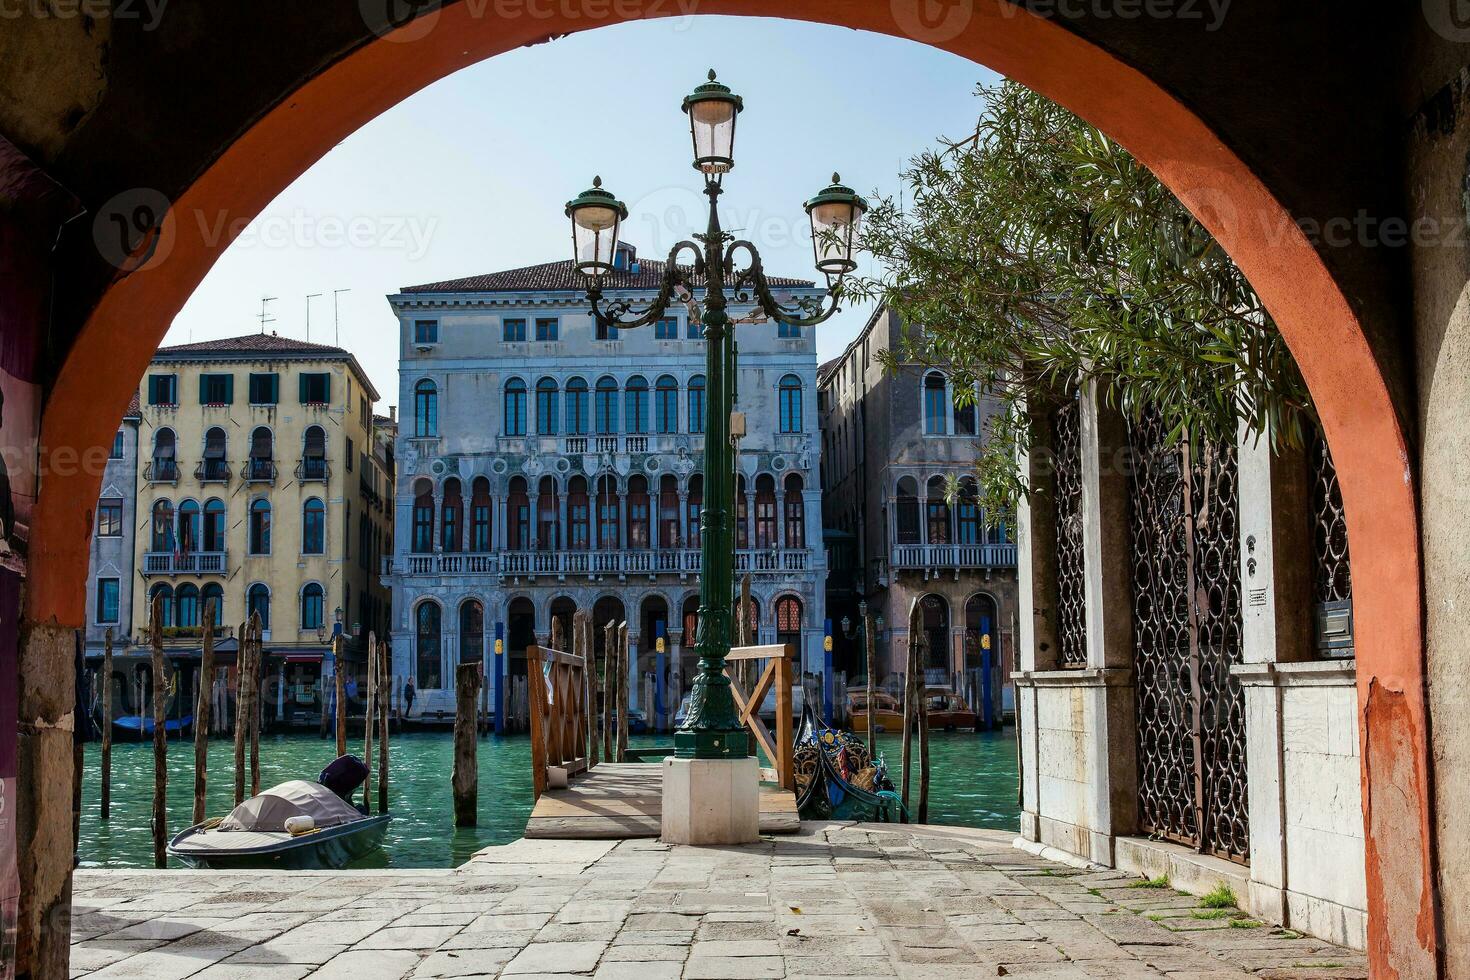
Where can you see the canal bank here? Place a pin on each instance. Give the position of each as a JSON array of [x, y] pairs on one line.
[[973, 784]]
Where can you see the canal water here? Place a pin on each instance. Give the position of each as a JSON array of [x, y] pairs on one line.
[[972, 784]]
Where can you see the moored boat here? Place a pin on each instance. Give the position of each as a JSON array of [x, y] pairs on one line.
[[837, 778]]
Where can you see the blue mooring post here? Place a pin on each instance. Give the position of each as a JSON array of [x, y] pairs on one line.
[[659, 708], [988, 713], [827, 670], [499, 678]]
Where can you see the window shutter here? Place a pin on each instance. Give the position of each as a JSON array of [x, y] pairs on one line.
[[204, 389], [275, 387], [301, 382], [229, 389], [326, 389], [153, 389]]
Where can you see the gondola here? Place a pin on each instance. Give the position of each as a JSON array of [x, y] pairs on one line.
[[127, 726], [837, 778], [299, 825]]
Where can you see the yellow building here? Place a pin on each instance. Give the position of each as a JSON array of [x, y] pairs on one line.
[[263, 485]]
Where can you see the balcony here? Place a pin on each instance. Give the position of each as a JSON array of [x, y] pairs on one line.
[[259, 470], [212, 471], [575, 445], [162, 470], [197, 563], [529, 564], [930, 557], [313, 469]]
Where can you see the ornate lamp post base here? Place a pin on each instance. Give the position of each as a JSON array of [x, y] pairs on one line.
[[711, 801], [711, 745]]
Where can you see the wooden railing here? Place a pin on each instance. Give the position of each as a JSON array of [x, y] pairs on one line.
[[778, 672], [559, 716]]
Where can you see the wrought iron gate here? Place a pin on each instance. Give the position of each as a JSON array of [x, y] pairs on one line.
[[1067, 479], [1186, 624]]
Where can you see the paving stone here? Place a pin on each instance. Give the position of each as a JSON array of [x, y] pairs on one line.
[[369, 964], [839, 966], [408, 937], [645, 953], [282, 953], [254, 971], [661, 921], [736, 947], [556, 957], [633, 970], [463, 963], [734, 968]]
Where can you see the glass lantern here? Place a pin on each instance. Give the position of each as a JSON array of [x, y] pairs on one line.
[[596, 217], [712, 109], [836, 215]]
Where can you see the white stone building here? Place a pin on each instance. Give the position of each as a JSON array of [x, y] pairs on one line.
[[547, 466]]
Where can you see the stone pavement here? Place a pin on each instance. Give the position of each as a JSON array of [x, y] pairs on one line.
[[870, 900]]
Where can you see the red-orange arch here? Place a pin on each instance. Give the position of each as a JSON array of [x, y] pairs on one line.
[[1324, 333]]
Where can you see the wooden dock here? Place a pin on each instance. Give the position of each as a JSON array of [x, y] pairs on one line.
[[623, 800]]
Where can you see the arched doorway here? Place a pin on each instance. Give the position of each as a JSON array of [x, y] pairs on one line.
[[1358, 398], [471, 632], [563, 608], [934, 613]]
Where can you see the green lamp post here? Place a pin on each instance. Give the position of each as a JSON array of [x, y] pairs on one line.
[[712, 728]]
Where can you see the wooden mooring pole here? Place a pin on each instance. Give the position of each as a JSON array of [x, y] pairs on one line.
[[205, 686], [609, 688], [921, 703], [369, 716], [871, 650], [466, 780], [915, 622], [257, 706], [385, 672], [107, 724], [339, 648], [160, 740], [623, 686], [242, 709], [582, 627]]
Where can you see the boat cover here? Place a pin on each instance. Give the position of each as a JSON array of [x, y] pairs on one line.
[[268, 811]]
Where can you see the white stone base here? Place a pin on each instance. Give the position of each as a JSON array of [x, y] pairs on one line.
[[711, 801]]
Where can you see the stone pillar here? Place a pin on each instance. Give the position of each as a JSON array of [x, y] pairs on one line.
[[563, 528], [438, 519], [683, 519], [502, 522]]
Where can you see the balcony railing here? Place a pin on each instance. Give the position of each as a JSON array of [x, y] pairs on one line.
[[162, 470], [931, 556], [637, 444], [666, 561], [313, 469], [258, 470], [195, 563], [576, 444], [606, 444], [212, 471]]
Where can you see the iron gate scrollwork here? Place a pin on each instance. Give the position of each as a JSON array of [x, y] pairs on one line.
[[1184, 517], [1332, 578], [1067, 481]]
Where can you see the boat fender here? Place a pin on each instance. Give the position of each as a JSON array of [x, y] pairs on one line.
[[300, 824]]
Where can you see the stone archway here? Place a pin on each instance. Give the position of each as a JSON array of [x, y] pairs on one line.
[[1359, 398]]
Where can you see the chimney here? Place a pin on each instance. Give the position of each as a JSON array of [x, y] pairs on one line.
[[393, 414]]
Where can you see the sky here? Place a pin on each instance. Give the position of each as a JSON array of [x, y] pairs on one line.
[[471, 175]]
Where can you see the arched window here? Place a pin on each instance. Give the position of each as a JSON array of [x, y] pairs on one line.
[[607, 513], [262, 464], [577, 406], [765, 511], [313, 607], [742, 514], [214, 525], [451, 527], [188, 603], [425, 408], [908, 511], [968, 519], [188, 527], [471, 632], [515, 407], [546, 407], [313, 527], [480, 514], [980, 630], [668, 512], [636, 419], [790, 399], [788, 622], [965, 417], [694, 503], [578, 514], [258, 602], [423, 518], [936, 404], [605, 407], [165, 463], [666, 404], [427, 624], [638, 512], [260, 527], [548, 516], [795, 505], [216, 592], [518, 515], [696, 403], [215, 446], [936, 631], [163, 527], [936, 513], [314, 454], [163, 593]]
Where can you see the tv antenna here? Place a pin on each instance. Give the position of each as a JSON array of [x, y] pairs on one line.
[[309, 298], [336, 320], [265, 314]]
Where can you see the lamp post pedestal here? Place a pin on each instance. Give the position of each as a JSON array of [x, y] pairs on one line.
[[711, 801]]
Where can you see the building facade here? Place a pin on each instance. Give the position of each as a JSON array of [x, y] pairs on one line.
[[547, 466], [110, 577], [893, 443], [262, 485]]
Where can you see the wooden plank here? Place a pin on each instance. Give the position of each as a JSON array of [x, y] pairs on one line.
[[537, 690], [760, 653]]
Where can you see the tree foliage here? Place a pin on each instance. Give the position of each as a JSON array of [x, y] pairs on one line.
[[1037, 254]]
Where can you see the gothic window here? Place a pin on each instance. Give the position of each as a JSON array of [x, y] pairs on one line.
[[790, 399], [515, 407], [666, 406], [546, 407], [425, 409], [795, 504]]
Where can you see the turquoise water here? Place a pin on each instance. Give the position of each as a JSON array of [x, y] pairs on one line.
[[973, 783]]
